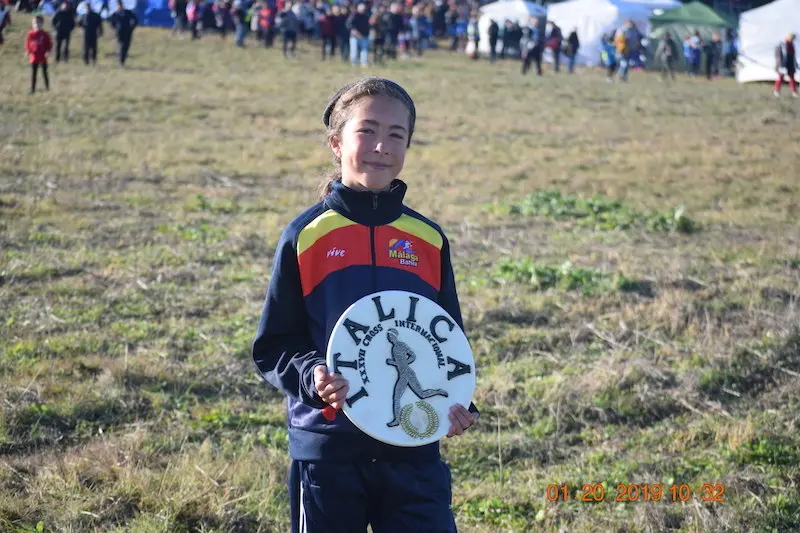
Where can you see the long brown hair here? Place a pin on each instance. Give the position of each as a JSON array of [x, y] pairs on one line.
[[340, 109]]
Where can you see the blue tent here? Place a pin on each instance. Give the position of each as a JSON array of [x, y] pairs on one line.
[[149, 12], [154, 13]]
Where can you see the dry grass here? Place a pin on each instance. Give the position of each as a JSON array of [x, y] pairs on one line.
[[139, 208]]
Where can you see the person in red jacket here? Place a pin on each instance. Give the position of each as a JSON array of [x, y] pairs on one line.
[[38, 46], [328, 32]]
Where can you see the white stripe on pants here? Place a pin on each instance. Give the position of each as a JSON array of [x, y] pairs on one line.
[[303, 525]]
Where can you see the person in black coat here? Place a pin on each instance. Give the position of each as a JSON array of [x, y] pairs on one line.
[[124, 21], [393, 23], [63, 24], [92, 26], [573, 43], [494, 32]]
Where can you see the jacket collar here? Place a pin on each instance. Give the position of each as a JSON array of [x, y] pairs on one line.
[[367, 207]]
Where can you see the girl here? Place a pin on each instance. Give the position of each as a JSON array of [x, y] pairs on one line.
[[341, 479]]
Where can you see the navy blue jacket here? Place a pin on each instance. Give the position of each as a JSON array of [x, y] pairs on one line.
[[331, 255]]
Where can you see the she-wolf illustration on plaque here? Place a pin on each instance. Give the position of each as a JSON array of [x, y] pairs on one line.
[[407, 362]]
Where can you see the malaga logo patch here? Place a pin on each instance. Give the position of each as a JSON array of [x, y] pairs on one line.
[[403, 251]]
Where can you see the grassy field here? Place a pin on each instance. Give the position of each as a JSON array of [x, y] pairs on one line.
[[627, 257]]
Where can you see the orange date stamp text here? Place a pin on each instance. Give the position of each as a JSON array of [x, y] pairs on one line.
[[636, 492]]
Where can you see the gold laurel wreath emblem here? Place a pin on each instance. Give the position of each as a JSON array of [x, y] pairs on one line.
[[411, 431]]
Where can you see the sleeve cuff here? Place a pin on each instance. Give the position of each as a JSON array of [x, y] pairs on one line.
[[309, 392]]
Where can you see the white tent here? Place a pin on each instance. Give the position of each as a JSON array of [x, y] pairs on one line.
[[760, 32], [502, 10], [595, 18]]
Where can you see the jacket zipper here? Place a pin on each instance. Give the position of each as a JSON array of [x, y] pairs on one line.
[[372, 246]]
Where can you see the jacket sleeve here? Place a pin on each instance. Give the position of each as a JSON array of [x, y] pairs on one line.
[[283, 350], [448, 297]]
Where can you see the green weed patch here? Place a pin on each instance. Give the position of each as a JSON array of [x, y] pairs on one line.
[[567, 277], [542, 277], [601, 214]]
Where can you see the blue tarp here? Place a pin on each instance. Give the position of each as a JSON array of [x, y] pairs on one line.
[[154, 13], [149, 12]]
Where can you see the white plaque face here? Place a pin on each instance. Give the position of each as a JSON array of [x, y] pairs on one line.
[[407, 363]]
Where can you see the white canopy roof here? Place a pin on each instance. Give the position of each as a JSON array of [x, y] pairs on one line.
[[761, 30], [595, 18], [502, 10]]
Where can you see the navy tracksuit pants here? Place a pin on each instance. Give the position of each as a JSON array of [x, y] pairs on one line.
[[393, 497]]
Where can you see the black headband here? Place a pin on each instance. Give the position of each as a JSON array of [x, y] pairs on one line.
[[326, 116]]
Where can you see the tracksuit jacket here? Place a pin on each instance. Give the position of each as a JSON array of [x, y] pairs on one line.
[[331, 255]]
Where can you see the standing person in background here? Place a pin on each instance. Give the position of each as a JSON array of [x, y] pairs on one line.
[[531, 46], [358, 24], [240, 22], [254, 14], [667, 54], [63, 24], [687, 55], [420, 28], [473, 34], [505, 38], [327, 29], [609, 56], [309, 20], [124, 21], [5, 18], [194, 12], [451, 21], [494, 35], [305, 18], [622, 53], [218, 10], [394, 26], [713, 51], [695, 53], [319, 11], [727, 53], [377, 35], [38, 45], [553, 40], [178, 11], [573, 43], [634, 37], [266, 23], [439, 19], [288, 24], [404, 37], [342, 14], [786, 62], [92, 26]]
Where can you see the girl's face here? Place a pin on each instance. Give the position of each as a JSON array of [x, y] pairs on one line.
[[373, 143]]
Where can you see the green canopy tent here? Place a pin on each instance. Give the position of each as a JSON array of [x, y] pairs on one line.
[[687, 19]]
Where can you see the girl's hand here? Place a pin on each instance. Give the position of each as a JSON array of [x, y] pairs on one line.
[[460, 420], [331, 387]]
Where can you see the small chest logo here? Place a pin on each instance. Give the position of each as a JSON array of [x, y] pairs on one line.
[[403, 251], [335, 252]]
